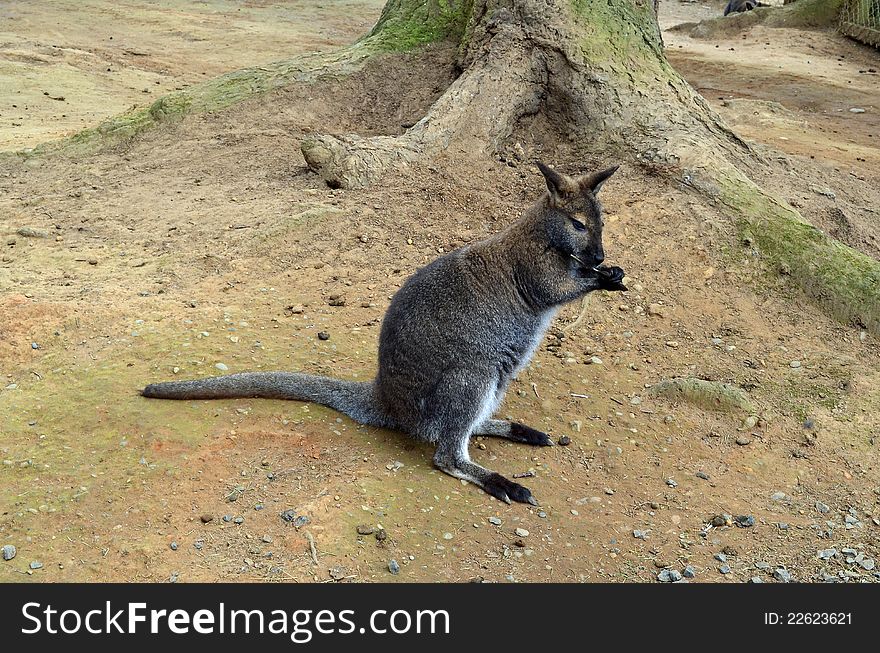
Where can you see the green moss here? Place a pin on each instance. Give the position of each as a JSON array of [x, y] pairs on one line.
[[845, 282], [407, 24]]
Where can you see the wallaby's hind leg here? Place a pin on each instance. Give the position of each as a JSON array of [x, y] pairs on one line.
[[452, 457], [499, 428]]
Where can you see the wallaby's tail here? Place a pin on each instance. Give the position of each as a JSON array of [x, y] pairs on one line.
[[355, 399]]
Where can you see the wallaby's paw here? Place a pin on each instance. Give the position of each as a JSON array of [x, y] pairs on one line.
[[507, 491], [528, 435]]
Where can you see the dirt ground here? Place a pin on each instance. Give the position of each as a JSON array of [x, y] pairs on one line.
[[209, 242]]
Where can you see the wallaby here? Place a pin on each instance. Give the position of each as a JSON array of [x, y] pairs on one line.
[[739, 6], [458, 331]]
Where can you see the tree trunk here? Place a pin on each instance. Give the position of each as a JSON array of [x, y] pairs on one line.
[[592, 75]]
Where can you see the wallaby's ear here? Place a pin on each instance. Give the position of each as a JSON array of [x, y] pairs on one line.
[[594, 181], [556, 183]]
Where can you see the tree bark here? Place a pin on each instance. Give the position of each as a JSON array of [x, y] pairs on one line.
[[594, 73]]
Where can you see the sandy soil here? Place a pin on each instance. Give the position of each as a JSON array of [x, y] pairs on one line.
[[210, 242]]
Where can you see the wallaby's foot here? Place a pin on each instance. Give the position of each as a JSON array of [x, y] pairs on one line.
[[507, 491], [522, 433], [456, 462], [513, 431]]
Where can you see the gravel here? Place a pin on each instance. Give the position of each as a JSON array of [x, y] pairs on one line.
[[669, 576]]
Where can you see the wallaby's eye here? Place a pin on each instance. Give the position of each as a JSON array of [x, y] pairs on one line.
[[578, 225]]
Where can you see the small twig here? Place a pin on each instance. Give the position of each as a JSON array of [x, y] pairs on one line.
[[616, 401], [577, 396], [312, 548], [535, 390], [580, 318]]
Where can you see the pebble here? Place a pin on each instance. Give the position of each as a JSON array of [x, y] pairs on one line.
[[594, 360], [565, 441], [762, 565], [853, 110], [365, 530], [521, 532], [381, 534], [36, 565], [794, 364], [669, 576], [743, 440], [238, 520], [35, 345], [447, 536], [288, 515], [323, 335], [777, 496], [393, 567], [640, 535], [720, 557], [756, 579], [300, 521], [826, 554], [744, 521], [689, 572], [9, 552], [222, 367], [724, 569], [702, 475], [495, 521], [671, 482], [174, 546], [207, 518], [823, 508], [781, 574]]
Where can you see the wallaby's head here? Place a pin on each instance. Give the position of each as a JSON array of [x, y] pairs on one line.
[[572, 217]]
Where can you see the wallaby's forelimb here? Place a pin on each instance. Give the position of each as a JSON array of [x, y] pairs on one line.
[[353, 398]]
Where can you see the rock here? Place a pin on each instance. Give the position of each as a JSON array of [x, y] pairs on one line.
[[867, 564], [782, 574], [671, 482], [393, 567], [710, 395], [744, 521], [381, 535], [323, 335], [702, 475], [689, 572], [199, 544], [521, 532], [824, 191], [227, 518], [724, 569], [762, 565], [794, 364], [565, 441], [9, 552], [822, 508], [720, 557], [207, 518], [30, 232], [288, 515], [856, 110], [756, 579], [222, 367], [447, 536], [495, 521], [336, 300], [173, 546], [300, 521], [365, 530], [656, 310], [266, 539], [777, 496], [826, 554], [669, 576], [594, 360], [743, 440], [640, 535], [718, 521], [36, 565], [238, 520]]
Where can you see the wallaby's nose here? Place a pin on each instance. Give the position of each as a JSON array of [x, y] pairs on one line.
[[599, 257]]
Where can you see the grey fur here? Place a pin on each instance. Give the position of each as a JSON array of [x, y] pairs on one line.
[[457, 332]]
